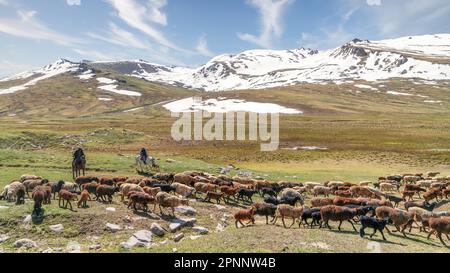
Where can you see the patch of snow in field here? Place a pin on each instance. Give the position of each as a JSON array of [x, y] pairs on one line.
[[133, 110], [86, 75], [433, 101], [364, 86], [113, 88], [227, 105], [106, 80], [105, 99]]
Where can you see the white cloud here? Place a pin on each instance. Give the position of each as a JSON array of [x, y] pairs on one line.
[[73, 2], [95, 55], [271, 12], [4, 2], [374, 2], [202, 47], [120, 37], [10, 68], [27, 26], [139, 16]]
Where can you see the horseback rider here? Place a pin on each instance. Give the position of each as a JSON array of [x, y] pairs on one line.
[[79, 153], [144, 155]]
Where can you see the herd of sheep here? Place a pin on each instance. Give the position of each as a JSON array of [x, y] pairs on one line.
[[374, 205]]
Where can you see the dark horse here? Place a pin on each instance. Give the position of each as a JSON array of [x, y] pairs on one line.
[[78, 163]]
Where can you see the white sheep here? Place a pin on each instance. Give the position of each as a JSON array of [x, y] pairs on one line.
[[183, 190]]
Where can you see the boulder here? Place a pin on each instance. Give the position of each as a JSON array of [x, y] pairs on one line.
[[178, 237], [200, 230], [186, 210], [57, 228], [27, 243], [157, 229], [73, 247], [113, 227]]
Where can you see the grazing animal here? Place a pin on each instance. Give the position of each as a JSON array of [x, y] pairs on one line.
[[438, 227], [400, 218], [339, 201], [336, 213], [291, 194], [358, 191], [289, 212], [263, 209], [39, 195], [248, 194], [29, 177], [229, 192], [432, 194], [415, 188], [201, 187], [183, 190], [31, 184], [185, 179], [268, 191], [345, 194], [166, 177], [321, 202], [142, 199], [420, 204], [90, 187], [151, 191], [408, 194], [10, 191], [20, 197], [81, 180], [66, 197], [245, 215], [107, 181], [126, 188], [165, 200], [321, 190], [83, 199], [308, 214], [394, 199], [150, 162], [388, 187], [106, 191], [78, 164], [376, 224], [215, 196]]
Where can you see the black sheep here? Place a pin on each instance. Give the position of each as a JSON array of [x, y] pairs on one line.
[[266, 210], [268, 191], [272, 200], [290, 200], [164, 187], [394, 199], [247, 193], [307, 214], [376, 224]]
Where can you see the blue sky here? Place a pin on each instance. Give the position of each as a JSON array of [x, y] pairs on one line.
[[34, 33]]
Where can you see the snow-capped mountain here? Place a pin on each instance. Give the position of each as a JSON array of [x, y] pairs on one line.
[[423, 57]]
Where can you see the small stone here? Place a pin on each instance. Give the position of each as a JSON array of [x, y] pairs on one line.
[[157, 229], [220, 207], [178, 237], [173, 227], [27, 218], [57, 228], [4, 207], [170, 160], [186, 210], [3, 237], [132, 242], [27, 243], [195, 237], [174, 250], [165, 242], [111, 209], [113, 227], [94, 247], [144, 237], [220, 228], [200, 230], [73, 247], [48, 250]]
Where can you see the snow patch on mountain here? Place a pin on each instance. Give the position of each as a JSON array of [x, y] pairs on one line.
[[224, 105], [110, 86]]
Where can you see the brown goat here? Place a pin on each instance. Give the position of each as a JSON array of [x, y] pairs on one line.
[[243, 215], [83, 199], [336, 213], [66, 197], [214, 195], [438, 227], [142, 199]]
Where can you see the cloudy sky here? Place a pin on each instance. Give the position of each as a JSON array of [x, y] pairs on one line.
[[34, 33]]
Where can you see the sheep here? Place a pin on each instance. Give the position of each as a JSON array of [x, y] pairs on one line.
[[164, 187], [308, 213], [365, 183], [421, 216], [310, 185], [248, 214], [20, 197], [39, 195], [438, 227], [201, 187], [334, 183], [268, 191], [133, 180], [185, 179], [166, 200], [119, 179], [432, 194], [261, 184], [263, 209], [69, 186], [246, 193], [340, 201], [432, 174], [142, 199], [358, 191], [321, 190], [31, 184], [90, 187], [290, 212], [393, 199], [29, 177], [376, 224], [425, 184], [214, 195], [83, 199], [388, 187], [336, 213], [229, 191], [166, 177], [183, 190], [10, 191], [106, 181], [420, 204], [105, 190], [81, 180], [151, 191], [415, 188], [66, 197], [346, 194], [290, 193], [379, 203], [400, 218], [291, 185], [321, 202], [409, 195], [56, 187], [411, 179], [127, 188]]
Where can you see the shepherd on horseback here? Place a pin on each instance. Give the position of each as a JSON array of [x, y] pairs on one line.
[[143, 160], [78, 163]]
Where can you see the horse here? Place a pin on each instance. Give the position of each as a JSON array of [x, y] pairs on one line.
[[78, 164], [145, 165]]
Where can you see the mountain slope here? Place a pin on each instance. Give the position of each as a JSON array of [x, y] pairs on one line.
[[419, 57]]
